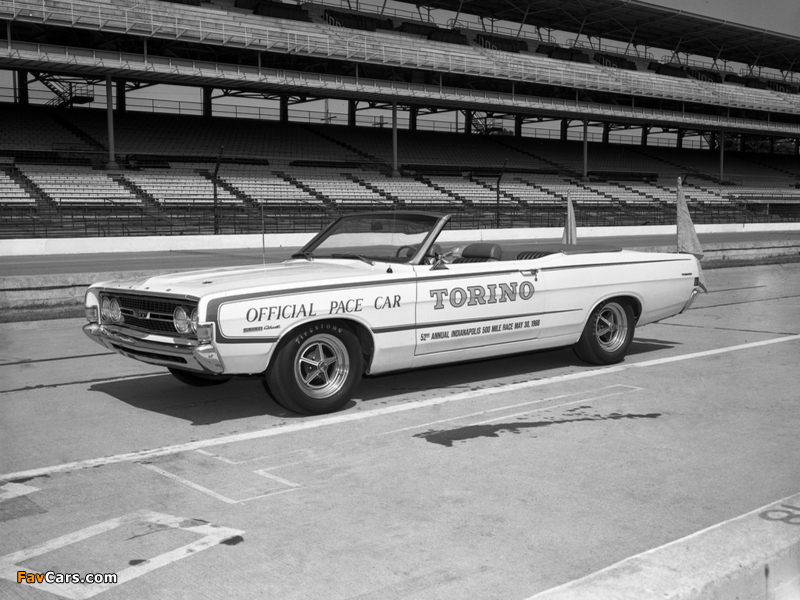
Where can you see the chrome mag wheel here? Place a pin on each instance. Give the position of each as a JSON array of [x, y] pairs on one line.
[[321, 366], [611, 327]]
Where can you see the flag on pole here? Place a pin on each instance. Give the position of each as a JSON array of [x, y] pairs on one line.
[[570, 235], [687, 236]]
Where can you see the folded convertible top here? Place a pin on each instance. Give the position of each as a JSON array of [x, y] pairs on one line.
[[539, 250]]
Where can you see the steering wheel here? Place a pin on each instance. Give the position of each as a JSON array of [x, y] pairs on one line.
[[407, 253]]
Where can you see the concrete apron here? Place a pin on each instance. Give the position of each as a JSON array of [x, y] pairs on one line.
[[39, 297], [756, 555]]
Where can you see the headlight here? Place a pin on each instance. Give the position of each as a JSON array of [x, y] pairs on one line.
[[193, 321], [105, 308], [181, 320], [116, 311]]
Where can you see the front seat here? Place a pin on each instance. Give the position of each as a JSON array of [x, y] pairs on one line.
[[481, 252]]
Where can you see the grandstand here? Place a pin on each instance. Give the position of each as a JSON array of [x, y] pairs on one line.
[[74, 163]]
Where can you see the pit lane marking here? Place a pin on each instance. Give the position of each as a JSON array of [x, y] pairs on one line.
[[13, 490], [378, 412], [209, 492], [10, 564], [630, 388]]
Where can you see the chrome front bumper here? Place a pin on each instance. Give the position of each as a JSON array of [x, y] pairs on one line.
[[190, 355]]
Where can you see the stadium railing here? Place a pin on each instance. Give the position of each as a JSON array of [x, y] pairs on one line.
[[215, 26], [120, 63]]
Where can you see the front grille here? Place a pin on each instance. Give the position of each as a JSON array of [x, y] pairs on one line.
[[151, 314], [141, 353]]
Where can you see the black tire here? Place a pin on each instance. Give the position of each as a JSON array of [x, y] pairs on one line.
[[607, 335], [197, 379], [317, 370]]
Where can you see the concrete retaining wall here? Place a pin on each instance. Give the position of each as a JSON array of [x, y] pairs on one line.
[[41, 246], [25, 298]]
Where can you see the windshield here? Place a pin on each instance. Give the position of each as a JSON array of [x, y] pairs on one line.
[[387, 237]]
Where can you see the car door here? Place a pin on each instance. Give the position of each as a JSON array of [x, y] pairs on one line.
[[464, 306]]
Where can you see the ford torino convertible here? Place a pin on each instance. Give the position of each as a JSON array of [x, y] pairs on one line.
[[382, 292]]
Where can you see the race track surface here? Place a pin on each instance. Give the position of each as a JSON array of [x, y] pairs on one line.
[[495, 479]]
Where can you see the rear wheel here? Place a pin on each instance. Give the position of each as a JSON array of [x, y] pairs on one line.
[[197, 379], [607, 334], [317, 370]]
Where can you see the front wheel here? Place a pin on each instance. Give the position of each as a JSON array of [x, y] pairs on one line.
[[607, 334], [317, 370], [198, 380]]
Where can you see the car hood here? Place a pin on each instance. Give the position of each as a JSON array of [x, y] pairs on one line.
[[240, 279]]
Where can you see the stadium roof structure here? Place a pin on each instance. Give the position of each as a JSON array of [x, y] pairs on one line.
[[642, 24]]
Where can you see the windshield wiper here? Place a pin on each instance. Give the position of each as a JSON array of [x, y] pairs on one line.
[[306, 255], [356, 256]]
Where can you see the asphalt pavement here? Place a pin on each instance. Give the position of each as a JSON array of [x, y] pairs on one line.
[[501, 479]]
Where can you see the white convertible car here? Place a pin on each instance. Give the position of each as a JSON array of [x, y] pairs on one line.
[[377, 292]]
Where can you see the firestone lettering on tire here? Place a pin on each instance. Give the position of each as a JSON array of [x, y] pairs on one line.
[[315, 328]]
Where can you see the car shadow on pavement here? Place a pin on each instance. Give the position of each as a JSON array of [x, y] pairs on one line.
[[471, 375], [644, 345], [246, 398], [236, 399]]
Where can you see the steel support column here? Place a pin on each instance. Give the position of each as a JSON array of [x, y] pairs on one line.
[[121, 98], [112, 163], [208, 107], [395, 172], [22, 88], [351, 112], [585, 150], [283, 109]]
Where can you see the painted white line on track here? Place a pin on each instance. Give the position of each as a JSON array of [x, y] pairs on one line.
[[590, 399], [190, 484], [12, 490], [227, 461], [286, 482], [209, 492], [378, 412], [512, 406], [11, 564]]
